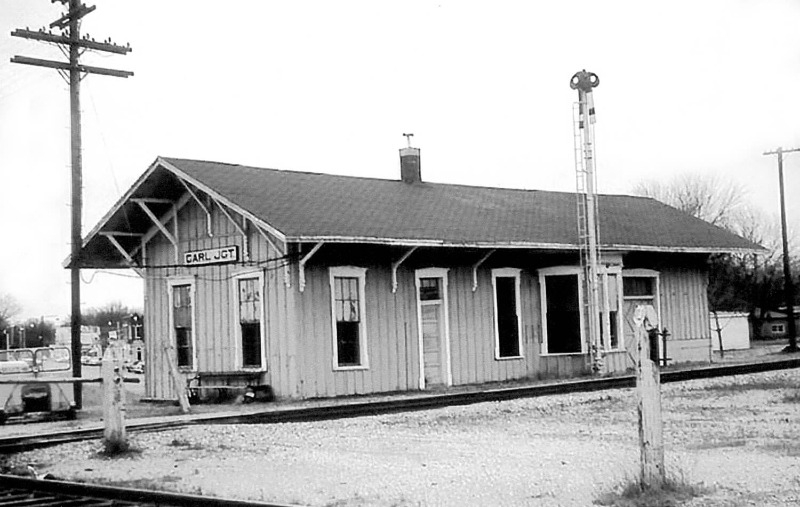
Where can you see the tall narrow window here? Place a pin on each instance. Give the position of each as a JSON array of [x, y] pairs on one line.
[[347, 293], [506, 313], [562, 326], [249, 290], [610, 286], [182, 324], [563, 315]]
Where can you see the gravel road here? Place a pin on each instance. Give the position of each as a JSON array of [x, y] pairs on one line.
[[739, 437]]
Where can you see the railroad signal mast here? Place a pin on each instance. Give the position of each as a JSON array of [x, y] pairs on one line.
[[588, 232], [68, 27]]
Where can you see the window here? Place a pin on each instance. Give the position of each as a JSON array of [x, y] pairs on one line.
[[249, 319], [639, 287], [610, 295], [182, 317], [507, 326], [778, 328], [349, 329], [561, 303]]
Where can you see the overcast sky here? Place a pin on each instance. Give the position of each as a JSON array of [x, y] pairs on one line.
[[330, 86]]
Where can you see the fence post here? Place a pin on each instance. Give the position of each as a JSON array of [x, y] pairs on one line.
[[114, 433]]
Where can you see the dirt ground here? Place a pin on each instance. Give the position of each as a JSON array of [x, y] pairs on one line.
[[738, 438]]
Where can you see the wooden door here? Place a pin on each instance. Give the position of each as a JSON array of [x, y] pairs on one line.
[[433, 330]]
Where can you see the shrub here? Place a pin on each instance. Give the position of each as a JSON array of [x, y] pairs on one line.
[[674, 492]]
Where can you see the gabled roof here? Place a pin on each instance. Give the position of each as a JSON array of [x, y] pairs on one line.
[[310, 207]]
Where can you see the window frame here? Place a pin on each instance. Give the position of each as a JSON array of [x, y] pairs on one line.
[[237, 328], [543, 273], [514, 273], [171, 284], [361, 274]]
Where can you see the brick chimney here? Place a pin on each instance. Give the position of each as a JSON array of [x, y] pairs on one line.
[[409, 163]]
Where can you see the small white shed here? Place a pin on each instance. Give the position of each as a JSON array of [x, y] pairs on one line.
[[735, 330]]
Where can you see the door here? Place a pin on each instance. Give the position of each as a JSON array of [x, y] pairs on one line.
[[433, 329]]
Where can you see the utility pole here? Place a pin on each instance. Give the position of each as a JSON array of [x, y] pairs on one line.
[[788, 285], [69, 27]]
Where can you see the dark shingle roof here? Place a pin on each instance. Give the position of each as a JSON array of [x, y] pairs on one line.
[[311, 206]]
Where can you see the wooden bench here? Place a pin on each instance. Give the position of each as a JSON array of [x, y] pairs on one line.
[[212, 386]]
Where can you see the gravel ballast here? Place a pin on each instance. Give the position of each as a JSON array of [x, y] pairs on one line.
[[737, 437]]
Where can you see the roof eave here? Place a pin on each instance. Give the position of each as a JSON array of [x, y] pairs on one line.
[[513, 244]]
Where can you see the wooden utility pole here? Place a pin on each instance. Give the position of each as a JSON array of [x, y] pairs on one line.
[[788, 284], [648, 394], [69, 27]]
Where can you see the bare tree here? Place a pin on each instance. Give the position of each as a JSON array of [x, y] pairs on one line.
[[747, 282], [9, 308], [708, 197]]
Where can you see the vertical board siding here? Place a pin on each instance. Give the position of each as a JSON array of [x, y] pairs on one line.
[[299, 328], [685, 313], [215, 334], [685, 303]]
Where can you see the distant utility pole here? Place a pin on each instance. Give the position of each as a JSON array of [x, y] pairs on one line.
[[788, 285], [69, 27]]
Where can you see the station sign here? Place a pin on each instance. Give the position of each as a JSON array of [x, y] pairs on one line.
[[220, 255]]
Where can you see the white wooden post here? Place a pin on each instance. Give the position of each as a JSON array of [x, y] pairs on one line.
[[113, 400], [648, 392]]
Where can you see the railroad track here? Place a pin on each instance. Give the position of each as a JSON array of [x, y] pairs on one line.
[[422, 402], [27, 492]]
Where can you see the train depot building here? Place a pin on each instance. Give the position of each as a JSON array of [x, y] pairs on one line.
[[320, 285]]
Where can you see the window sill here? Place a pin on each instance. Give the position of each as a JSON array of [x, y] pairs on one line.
[[556, 354], [350, 368], [509, 358]]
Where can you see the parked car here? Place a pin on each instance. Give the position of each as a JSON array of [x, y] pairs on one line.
[[136, 367]]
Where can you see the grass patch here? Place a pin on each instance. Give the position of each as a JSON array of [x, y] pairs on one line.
[[674, 492], [118, 450], [743, 387], [722, 444]]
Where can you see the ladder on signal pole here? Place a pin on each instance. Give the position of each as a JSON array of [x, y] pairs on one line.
[[588, 230]]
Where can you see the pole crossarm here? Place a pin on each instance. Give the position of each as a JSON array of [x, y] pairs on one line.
[[75, 13], [43, 36], [87, 69]]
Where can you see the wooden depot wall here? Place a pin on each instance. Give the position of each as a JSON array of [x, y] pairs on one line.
[[299, 343]]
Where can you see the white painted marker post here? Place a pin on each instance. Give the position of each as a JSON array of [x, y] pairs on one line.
[[114, 434], [648, 392]]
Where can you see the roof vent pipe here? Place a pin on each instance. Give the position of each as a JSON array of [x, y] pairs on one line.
[[410, 163]]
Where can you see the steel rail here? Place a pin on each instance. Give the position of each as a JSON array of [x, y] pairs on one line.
[[31, 492], [346, 408]]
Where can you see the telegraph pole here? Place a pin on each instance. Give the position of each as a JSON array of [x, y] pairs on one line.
[[788, 285], [69, 27]]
